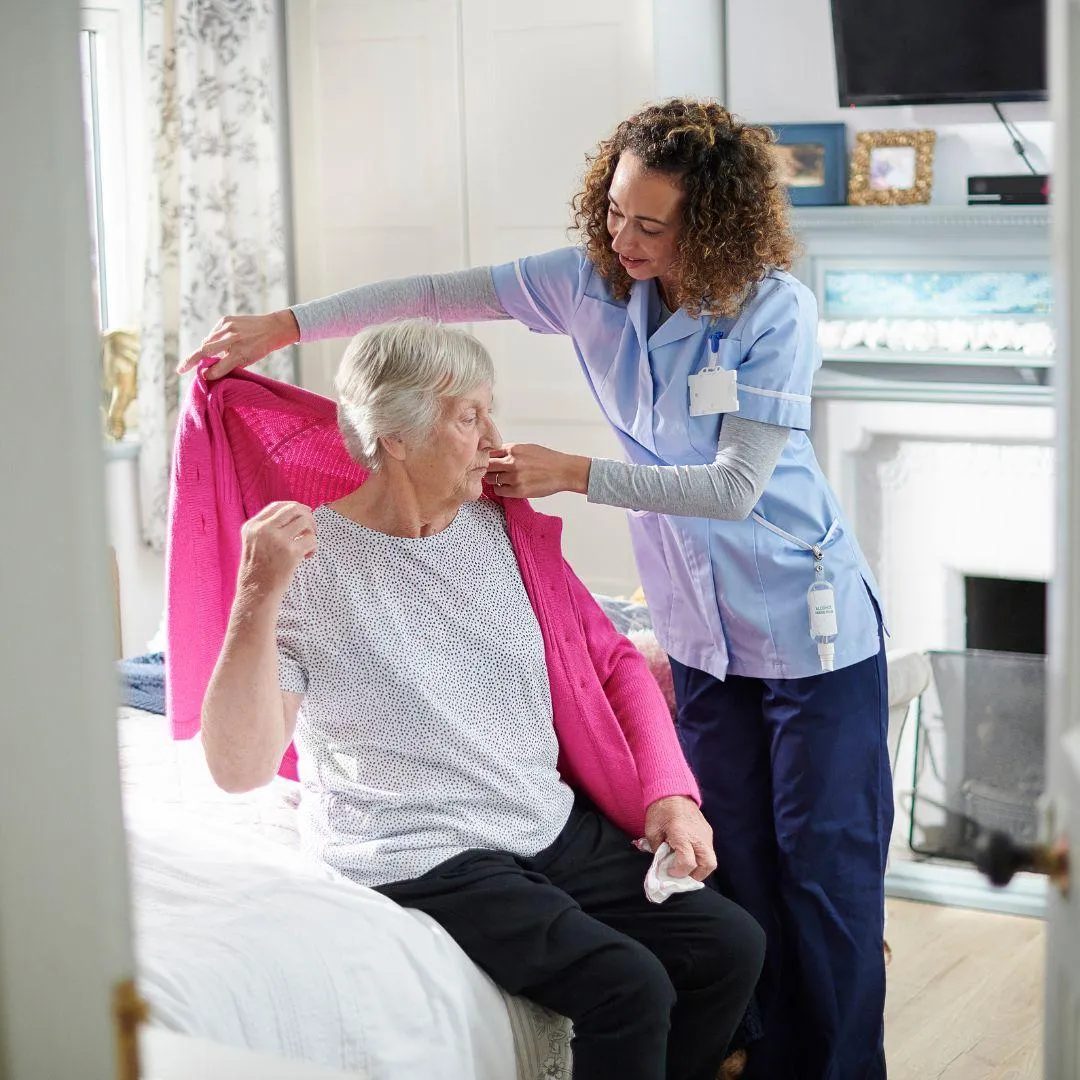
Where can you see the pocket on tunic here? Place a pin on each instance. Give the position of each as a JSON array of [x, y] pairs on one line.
[[704, 431], [826, 540], [651, 556]]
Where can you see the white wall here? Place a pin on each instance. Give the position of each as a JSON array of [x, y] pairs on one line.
[[780, 67], [688, 48]]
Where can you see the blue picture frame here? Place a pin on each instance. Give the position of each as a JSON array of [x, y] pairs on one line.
[[818, 159]]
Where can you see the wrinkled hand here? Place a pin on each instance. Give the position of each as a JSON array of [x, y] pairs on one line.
[[239, 340], [275, 541], [677, 820], [528, 471]]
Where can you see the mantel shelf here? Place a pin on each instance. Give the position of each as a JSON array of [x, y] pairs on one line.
[[933, 392], [973, 358], [896, 218]]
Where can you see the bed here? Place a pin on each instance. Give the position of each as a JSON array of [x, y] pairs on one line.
[[241, 940]]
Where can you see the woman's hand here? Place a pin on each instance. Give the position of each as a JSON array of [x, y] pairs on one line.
[[239, 340], [678, 820], [528, 471], [275, 541]]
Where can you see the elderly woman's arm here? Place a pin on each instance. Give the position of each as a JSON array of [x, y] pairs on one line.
[[669, 791], [637, 701], [247, 721]]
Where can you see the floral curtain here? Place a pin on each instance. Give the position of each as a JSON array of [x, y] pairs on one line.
[[216, 232]]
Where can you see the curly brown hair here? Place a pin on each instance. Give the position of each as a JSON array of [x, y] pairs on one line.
[[735, 215]]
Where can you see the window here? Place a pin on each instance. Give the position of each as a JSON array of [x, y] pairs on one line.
[[109, 44]]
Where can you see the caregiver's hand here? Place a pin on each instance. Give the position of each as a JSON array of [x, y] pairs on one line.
[[678, 820], [528, 471], [239, 340]]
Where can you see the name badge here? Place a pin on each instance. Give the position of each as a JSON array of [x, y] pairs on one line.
[[713, 391]]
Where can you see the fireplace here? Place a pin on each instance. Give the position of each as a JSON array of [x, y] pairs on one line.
[[1005, 614], [944, 463]]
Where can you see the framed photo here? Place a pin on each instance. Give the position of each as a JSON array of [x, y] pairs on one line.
[[892, 168], [812, 162]]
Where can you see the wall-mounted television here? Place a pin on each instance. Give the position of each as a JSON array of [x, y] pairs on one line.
[[936, 52]]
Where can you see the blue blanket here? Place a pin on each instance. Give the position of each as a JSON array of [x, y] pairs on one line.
[[142, 682]]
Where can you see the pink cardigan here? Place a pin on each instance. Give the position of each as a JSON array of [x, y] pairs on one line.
[[246, 440]]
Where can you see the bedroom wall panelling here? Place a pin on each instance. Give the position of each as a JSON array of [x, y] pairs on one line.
[[431, 135]]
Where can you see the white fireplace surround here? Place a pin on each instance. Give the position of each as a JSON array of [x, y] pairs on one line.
[[941, 477]]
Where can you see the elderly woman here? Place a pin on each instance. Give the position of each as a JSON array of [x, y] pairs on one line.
[[475, 740]]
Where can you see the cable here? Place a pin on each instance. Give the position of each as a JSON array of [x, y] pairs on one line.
[[1014, 134], [1017, 138]]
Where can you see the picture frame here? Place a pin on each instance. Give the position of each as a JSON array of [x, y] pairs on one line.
[[813, 162], [892, 168]]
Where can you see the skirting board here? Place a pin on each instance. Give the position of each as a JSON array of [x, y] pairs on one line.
[[963, 886]]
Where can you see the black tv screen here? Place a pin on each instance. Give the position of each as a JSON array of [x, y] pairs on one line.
[[930, 52]]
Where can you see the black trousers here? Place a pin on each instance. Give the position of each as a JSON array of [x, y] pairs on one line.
[[654, 991]]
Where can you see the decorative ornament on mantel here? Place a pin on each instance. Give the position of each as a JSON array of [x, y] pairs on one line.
[[1030, 338]]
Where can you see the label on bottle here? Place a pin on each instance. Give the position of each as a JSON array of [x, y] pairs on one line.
[[822, 603]]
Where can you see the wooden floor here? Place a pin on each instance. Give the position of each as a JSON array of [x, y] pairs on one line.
[[965, 994]]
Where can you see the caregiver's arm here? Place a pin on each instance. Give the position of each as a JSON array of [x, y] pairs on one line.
[[727, 488], [239, 340], [247, 720]]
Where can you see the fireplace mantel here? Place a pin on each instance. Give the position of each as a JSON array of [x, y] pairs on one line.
[[933, 239], [1029, 224]]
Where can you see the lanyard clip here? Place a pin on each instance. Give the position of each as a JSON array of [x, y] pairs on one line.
[[714, 340]]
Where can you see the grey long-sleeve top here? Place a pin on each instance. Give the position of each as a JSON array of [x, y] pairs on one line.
[[727, 488]]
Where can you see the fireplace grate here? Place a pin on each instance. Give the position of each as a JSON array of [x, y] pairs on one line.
[[980, 751]]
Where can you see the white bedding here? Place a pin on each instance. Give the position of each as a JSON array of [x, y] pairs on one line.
[[239, 939]]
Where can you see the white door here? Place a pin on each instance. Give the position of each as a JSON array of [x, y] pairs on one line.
[[64, 935], [1063, 943]]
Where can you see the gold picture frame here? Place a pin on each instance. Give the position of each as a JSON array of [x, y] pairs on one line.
[[892, 168]]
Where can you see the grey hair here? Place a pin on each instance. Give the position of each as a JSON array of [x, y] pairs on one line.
[[393, 380]]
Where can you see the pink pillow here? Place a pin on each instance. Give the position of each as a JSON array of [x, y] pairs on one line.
[[645, 642]]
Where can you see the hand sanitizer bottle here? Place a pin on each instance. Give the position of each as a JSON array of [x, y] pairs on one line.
[[821, 600]]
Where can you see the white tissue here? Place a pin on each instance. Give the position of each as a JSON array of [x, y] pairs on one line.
[[659, 884]]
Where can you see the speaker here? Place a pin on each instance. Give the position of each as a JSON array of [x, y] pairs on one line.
[[1023, 189]]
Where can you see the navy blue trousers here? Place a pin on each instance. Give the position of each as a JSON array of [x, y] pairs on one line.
[[796, 785]]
